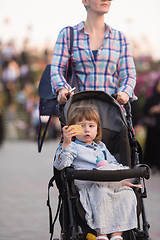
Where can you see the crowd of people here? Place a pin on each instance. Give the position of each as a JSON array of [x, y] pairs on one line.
[[20, 73]]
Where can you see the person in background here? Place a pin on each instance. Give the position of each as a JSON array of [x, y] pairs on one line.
[[152, 115], [1, 127], [101, 55]]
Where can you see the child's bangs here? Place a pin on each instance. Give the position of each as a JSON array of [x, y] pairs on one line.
[[81, 113], [87, 114], [91, 116]]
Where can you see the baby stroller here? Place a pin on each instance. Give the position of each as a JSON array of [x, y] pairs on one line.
[[118, 135]]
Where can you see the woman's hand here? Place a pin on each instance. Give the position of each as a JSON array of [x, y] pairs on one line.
[[68, 133], [62, 95], [122, 97]]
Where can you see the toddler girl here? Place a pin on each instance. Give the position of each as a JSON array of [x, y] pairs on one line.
[[109, 210]]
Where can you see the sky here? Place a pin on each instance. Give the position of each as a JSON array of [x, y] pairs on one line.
[[41, 21]]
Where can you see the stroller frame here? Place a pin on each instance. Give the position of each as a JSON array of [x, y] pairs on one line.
[[70, 211]]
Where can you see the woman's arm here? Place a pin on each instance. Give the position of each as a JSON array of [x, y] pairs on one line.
[[126, 69], [59, 61]]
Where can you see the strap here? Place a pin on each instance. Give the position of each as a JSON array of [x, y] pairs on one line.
[[41, 139], [70, 60], [50, 184], [51, 224], [55, 219], [71, 41]]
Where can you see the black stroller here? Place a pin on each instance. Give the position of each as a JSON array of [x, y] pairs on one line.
[[118, 135]]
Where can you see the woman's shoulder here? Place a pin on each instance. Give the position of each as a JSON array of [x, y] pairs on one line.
[[65, 30]]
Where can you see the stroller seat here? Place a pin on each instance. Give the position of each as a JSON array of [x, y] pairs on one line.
[[118, 135]]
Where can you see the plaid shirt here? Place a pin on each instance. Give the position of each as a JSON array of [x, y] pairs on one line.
[[113, 70]]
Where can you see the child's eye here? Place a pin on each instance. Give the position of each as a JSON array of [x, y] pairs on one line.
[[91, 125]]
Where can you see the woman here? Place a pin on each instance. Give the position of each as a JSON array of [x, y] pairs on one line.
[[101, 55], [152, 112]]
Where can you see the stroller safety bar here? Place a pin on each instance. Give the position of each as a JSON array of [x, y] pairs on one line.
[[107, 175]]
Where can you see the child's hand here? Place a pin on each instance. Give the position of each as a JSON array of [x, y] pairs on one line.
[[68, 133]]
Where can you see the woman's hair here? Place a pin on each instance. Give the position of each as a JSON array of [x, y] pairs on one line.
[[90, 114]]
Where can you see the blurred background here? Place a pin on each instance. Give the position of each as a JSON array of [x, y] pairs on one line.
[[28, 31]]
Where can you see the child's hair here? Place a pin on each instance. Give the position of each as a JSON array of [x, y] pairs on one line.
[[89, 113]]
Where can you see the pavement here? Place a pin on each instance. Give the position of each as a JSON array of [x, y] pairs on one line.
[[24, 176]]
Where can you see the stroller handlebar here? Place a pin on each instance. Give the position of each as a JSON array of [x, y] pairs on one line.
[[108, 175]]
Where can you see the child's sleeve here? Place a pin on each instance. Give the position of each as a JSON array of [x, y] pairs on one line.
[[65, 156]]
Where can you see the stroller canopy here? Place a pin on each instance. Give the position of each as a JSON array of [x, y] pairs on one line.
[[113, 122]]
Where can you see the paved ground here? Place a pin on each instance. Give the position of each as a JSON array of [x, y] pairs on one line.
[[24, 175]]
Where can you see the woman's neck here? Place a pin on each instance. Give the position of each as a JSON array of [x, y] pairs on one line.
[[96, 30], [94, 24]]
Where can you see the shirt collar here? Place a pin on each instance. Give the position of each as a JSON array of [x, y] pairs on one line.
[[80, 26], [94, 145]]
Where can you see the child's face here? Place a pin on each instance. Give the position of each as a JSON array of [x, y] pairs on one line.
[[89, 131]]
